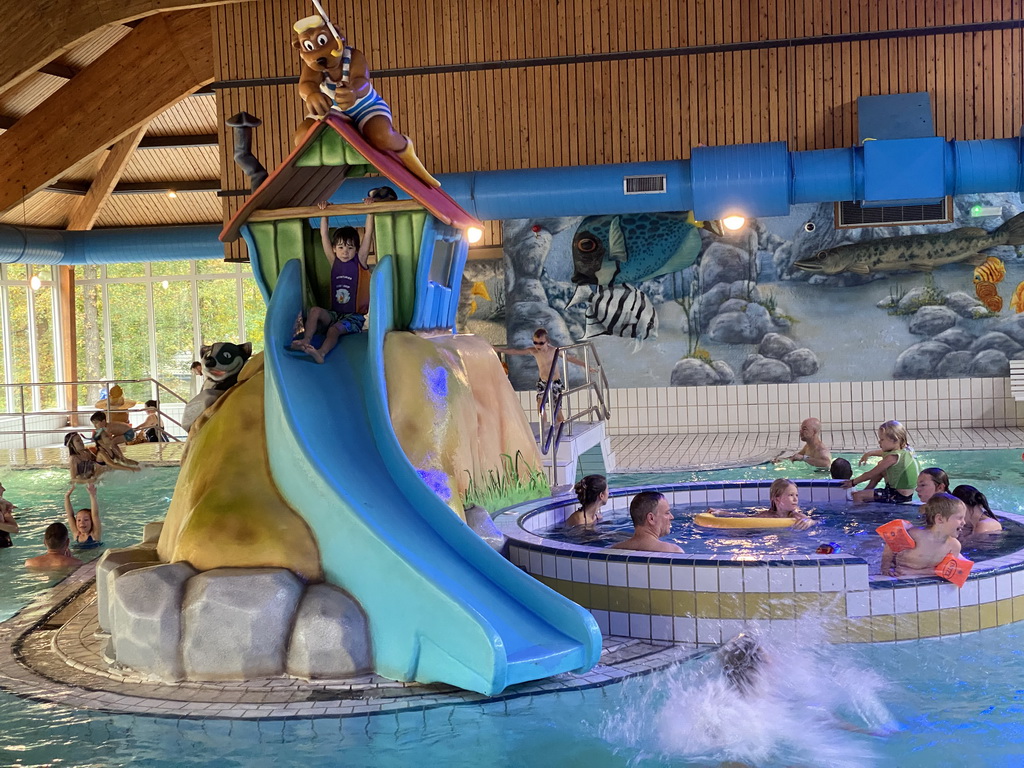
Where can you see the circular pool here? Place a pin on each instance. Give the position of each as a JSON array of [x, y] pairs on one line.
[[703, 597]]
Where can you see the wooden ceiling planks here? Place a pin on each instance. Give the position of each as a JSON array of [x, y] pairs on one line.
[[185, 163], [30, 44], [83, 216], [43, 209], [171, 53], [195, 115], [160, 210]]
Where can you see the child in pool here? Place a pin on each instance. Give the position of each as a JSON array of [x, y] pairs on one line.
[[592, 491], [82, 462], [85, 525], [979, 516], [898, 466], [932, 480], [109, 437], [784, 502], [943, 517]]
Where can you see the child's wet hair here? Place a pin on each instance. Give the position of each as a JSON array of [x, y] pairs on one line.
[[589, 488], [938, 476], [841, 470], [972, 497], [382, 194], [778, 487], [895, 431], [741, 658], [345, 235], [943, 505]]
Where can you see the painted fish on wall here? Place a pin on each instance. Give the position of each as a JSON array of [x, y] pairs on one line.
[[915, 252], [618, 310], [986, 275], [631, 248]]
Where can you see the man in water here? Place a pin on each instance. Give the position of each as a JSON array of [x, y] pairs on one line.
[[652, 519], [813, 451], [58, 550]]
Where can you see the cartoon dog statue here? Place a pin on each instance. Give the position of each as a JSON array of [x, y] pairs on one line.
[[336, 77], [221, 363]]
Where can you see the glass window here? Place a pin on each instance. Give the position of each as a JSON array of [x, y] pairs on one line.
[[129, 330], [126, 270], [215, 267], [255, 312], [172, 313], [89, 330], [218, 311], [46, 355], [17, 272], [170, 268]]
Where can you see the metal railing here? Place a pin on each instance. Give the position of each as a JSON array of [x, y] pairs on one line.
[[556, 411], [74, 415]]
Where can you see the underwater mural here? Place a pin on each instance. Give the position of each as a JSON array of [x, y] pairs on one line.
[[669, 301]]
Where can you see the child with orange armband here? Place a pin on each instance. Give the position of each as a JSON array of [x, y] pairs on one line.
[[932, 550]]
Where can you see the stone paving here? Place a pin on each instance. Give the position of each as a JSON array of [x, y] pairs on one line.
[[53, 650]]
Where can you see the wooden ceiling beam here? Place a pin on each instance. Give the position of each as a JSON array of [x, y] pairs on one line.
[[85, 213], [159, 187], [179, 142], [156, 65], [38, 32]]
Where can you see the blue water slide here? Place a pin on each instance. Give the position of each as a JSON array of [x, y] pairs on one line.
[[442, 605]]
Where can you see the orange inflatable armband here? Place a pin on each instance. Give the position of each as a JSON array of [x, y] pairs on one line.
[[894, 534], [954, 569]]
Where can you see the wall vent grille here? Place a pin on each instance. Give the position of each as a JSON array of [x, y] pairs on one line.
[[850, 214], [644, 185]]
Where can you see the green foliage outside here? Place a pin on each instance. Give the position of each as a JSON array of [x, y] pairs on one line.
[[506, 487]]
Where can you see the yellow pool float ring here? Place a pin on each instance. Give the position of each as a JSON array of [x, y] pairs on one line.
[[708, 520]]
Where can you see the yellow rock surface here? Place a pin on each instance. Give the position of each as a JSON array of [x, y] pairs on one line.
[[454, 411], [226, 510]]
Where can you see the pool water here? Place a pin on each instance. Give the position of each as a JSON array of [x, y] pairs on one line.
[[929, 701], [851, 527], [997, 474]]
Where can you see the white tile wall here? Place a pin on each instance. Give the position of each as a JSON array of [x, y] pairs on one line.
[[954, 403]]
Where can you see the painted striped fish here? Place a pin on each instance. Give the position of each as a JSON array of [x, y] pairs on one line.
[[619, 310]]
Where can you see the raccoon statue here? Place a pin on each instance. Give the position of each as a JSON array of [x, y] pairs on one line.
[[221, 363]]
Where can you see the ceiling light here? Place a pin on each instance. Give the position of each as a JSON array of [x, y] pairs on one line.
[[172, 194], [473, 234], [35, 282], [733, 222]]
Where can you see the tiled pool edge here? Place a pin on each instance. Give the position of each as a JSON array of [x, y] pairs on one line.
[[703, 599]]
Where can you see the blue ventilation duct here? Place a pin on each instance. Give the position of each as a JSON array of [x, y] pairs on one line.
[[108, 246], [750, 180]]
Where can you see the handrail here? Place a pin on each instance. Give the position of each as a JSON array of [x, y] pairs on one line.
[[157, 387], [595, 383]]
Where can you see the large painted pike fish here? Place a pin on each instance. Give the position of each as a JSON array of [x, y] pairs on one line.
[[922, 253]]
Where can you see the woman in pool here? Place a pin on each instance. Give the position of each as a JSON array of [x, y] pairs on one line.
[[85, 525], [931, 481], [979, 516], [592, 491], [784, 502]]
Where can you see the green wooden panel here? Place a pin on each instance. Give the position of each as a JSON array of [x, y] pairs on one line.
[[333, 148], [266, 252], [312, 157]]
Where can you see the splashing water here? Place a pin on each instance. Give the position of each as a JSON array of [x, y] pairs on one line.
[[805, 707]]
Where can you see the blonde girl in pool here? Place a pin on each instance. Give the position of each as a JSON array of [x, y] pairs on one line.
[[592, 491], [785, 502]]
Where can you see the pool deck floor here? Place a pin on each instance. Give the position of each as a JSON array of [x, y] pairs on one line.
[[53, 649], [668, 452]]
